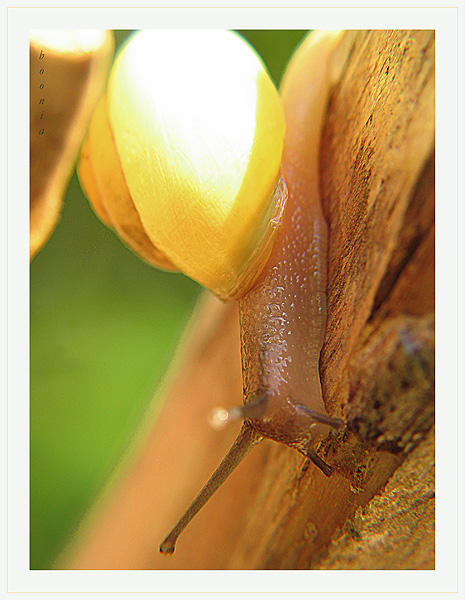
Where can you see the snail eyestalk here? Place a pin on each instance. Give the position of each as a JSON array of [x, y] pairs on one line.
[[245, 441], [220, 417], [333, 422]]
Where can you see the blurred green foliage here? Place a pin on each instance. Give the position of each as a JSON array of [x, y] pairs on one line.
[[103, 327]]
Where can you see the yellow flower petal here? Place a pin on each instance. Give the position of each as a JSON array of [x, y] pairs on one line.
[[68, 71]]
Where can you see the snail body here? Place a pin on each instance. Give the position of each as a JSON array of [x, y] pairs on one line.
[[276, 267], [283, 317]]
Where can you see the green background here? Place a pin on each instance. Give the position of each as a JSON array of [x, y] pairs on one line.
[[103, 327]]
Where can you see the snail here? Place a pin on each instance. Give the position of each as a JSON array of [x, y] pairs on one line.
[[194, 168]]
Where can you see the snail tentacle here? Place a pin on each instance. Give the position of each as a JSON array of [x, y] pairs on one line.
[[245, 441], [255, 409], [318, 461], [333, 422]]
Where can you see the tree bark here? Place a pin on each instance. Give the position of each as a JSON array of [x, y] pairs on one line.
[[278, 511]]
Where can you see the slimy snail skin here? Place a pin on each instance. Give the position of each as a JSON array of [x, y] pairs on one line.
[[200, 165]]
